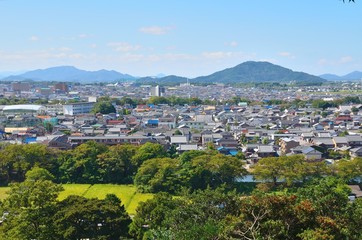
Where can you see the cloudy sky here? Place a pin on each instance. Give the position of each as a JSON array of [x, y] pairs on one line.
[[188, 38]]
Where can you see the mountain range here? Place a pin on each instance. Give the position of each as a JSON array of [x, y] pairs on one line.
[[356, 75], [70, 74], [246, 72]]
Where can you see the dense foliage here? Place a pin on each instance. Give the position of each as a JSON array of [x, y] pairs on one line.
[[319, 210], [311, 201], [32, 211]]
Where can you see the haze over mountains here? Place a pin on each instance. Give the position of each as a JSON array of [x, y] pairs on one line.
[[243, 73], [70, 74], [356, 75]]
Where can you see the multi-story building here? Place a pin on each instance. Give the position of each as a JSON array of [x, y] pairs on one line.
[[61, 88], [20, 86], [77, 108], [157, 91]]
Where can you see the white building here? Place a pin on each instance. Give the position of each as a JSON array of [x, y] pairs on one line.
[[78, 108], [24, 109], [157, 91]]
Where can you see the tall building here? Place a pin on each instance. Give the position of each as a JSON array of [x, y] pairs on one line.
[[157, 91], [61, 88], [20, 86]]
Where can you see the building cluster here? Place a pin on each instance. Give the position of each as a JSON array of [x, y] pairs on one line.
[[257, 131]]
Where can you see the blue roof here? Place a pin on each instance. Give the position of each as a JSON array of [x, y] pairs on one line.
[[30, 139], [152, 121], [233, 152]]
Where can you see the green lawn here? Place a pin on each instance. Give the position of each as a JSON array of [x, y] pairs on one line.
[[73, 189], [127, 193]]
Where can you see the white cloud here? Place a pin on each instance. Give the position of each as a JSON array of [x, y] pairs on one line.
[[232, 44], [34, 38], [156, 30], [216, 55], [83, 35], [346, 59], [93, 45], [65, 49], [335, 62], [124, 46], [287, 55], [322, 62]]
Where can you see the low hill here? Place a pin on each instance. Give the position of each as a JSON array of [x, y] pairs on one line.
[[70, 74], [167, 80], [247, 72], [257, 72]]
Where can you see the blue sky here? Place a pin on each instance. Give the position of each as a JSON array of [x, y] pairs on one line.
[[187, 38]]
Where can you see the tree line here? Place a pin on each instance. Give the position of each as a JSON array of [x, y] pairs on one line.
[[153, 168], [320, 209], [311, 201], [150, 166]]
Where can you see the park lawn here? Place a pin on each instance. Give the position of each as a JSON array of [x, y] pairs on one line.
[[3, 191], [127, 193], [137, 198], [73, 189]]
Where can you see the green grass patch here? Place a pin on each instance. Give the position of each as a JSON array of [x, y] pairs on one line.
[[127, 193], [73, 189], [137, 198], [124, 192]]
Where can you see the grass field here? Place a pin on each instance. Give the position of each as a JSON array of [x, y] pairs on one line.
[[127, 193]]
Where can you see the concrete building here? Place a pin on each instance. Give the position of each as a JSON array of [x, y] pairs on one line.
[[20, 86], [157, 91], [24, 109], [61, 88], [77, 108]]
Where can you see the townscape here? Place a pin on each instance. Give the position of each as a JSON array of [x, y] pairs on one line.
[[255, 121], [180, 120]]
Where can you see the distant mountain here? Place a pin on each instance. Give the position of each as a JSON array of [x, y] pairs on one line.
[[8, 73], [257, 72], [331, 77], [356, 75], [168, 80], [246, 72], [70, 74], [160, 75]]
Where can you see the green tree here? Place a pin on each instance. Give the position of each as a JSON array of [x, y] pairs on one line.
[[147, 151], [80, 164], [16, 160], [202, 215], [350, 169], [212, 170], [81, 218], [115, 164], [38, 174], [158, 174], [290, 168], [30, 206], [103, 108], [151, 214]]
